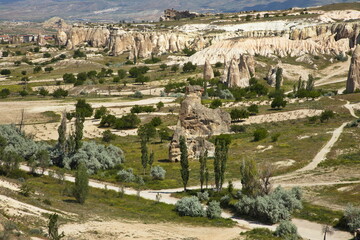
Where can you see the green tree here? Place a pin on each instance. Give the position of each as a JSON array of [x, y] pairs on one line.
[[79, 126], [83, 109], [175, 68], [108, 136], [222, 143], [260, 134], [146, 131], [81, 187], [184, 161], [215, 104], [121, 73], [189, 67], [156, 121], [253, 109], [326, 115], [37, 69], [53, 228], [164, 134], [43, 159], [62, 133], [100, 112], [249, 177], [43, 92], [237, 114], [278, 102], [203, 169], [159, 105], [163, 66], [279, 78], [151, 159], [144, 155]]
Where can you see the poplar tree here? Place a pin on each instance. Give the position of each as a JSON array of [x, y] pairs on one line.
[[79, 126], [222, 143], [184, 162], [81, 187], [203, 169], [144, 155]]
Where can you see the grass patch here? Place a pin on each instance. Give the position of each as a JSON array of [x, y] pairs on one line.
[[319, 214], [260, 233]]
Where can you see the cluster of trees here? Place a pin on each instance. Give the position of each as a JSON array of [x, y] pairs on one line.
[[92, 76], [128, 121], [325, 116], [191, 206], [305, 89]]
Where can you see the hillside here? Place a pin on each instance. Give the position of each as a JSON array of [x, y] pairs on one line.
[[110, 10]]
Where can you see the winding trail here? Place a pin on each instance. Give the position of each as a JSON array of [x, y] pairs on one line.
[[308, 230]]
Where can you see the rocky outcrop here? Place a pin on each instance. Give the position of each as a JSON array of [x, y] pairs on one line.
[[61, 38], [208, 71], [353, 81], [196, 123], [272, 74], [94, 36], [40, 40], [240, 72]]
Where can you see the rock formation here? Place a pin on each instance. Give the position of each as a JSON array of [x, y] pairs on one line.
[[208, 71], [197, 122], [271, 76], [239, 74], [353, 81], [40, 40], [61, 38]]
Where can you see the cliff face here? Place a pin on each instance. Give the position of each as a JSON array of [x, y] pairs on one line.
[[353, 81], [196, 123]]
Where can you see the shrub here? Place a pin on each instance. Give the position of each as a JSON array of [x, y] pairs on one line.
[[108, 136], [213, 210], [275, 137], [5, 72], [121, 73], [287, 230], [95, 156], [83, 109], [137, 94], [326, 115], [157, 173], [270, 208], [4, 93], [238, 128], [260, 134], [203, 196], [26, 190], [225, 200], [216, 103], [189, 67], [189, 206], [126, 176], [58, 93], [352, 217], [78, 54], [156, 121], [100, 112], [253, 109]]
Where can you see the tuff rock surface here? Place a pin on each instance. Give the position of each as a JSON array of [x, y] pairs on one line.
[[353, 81]]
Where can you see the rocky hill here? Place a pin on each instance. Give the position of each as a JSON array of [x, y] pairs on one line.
[[107, 10]]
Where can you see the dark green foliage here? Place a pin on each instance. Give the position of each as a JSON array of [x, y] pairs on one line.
[[79, 126], [184, 161], [37, 69], [121, 73], [127, 122], [142, 79], [49, 69], [23, 93], [43, 92], [279, 78], [189, 67], [144, 155], [108, 136], [69, 78], [137, 71], [237, 114], [100, 112], [25, 79], [204, 172], [163, 66], [152, 60], [79, 54], [260, 134], [275, 137], [83, 109], [164, 134], [326, 115], [81, 186], [26, 190], [175, 87], [218, 65], [175, 68], [146, 131], [53, 228], [188, 52], [5, 72], [159, 105], [215, 104], [59, 93], [4, 93], [238, 128], [253, 109], [47, 55], [140, 109], [249, 177], [278, 102], [222, 143], [62, 134], [156, 121]]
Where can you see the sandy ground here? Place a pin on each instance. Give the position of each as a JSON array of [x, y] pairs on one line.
[[120, 229], [281, 116]]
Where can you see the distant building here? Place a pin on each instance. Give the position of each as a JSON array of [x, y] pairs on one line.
[[172, 14]]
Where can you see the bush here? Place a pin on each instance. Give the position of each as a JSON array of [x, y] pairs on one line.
[[189, 67], [225, 200], [4, 93], [26, 190], [5, 72], [78, 54], [100, 112], [271, 208], [203, 196], [95, 156], [260, 134], [326, 115], [58, 93], [275, 137], [190, 206], [352, 217], [126, 176], [157, 173], [137, 94], [156, 121], [237, 128], [213, 210], [108, 136], [287, 230], [215, 104]]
